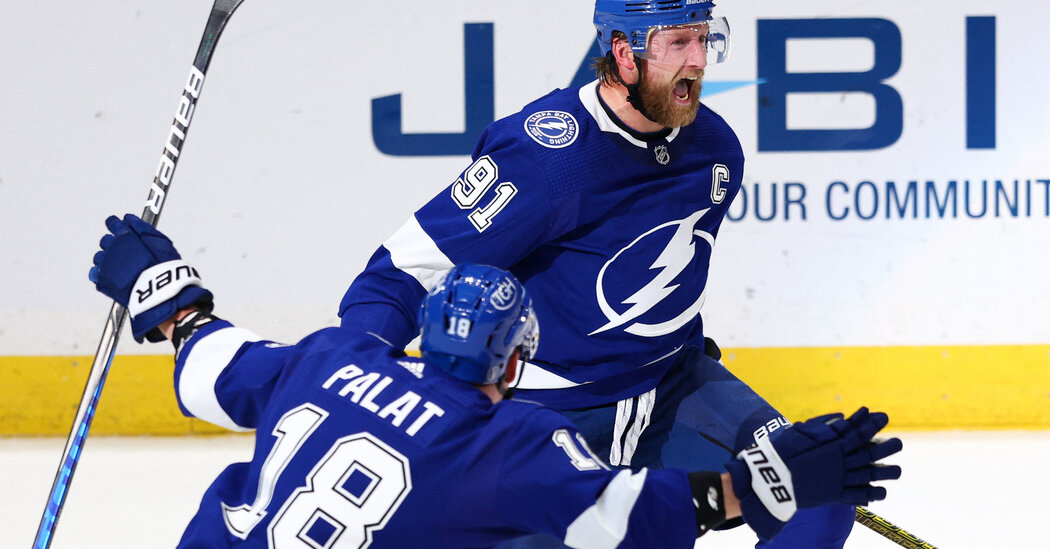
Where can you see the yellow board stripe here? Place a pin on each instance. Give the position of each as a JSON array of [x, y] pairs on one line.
[[950, 387], [40, 396]]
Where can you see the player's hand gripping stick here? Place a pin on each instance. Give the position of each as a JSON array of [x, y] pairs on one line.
[[139, 268]]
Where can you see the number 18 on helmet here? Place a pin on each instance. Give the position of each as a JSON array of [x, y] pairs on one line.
[[474, 321]]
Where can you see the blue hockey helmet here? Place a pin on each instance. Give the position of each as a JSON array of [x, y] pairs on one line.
[[649, 23], [474, 321]]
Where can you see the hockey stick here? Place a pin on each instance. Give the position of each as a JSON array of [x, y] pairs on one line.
[[221, 11], [890, 531]]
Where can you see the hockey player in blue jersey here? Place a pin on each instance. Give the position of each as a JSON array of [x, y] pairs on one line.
[[358, 445], [606, 201]]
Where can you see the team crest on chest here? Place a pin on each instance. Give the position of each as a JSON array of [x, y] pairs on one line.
[[552, 129], [662, 156], [656, 284]]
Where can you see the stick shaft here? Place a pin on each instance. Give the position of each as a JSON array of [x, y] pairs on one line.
[[220, 14], [890, 531]]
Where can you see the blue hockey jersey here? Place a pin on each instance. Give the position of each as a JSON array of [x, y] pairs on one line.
[[358, 446], [610, 231]]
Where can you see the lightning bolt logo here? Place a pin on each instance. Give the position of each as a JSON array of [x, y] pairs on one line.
[[556, 126], [672, 261], [552, 129]]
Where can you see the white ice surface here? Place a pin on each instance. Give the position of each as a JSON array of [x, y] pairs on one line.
[[959, 490]]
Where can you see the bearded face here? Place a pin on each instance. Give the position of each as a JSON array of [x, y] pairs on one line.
[[671, 70], [671, 97]]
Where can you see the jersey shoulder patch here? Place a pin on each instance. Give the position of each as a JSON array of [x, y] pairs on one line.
[[552, 129], [551, 121]]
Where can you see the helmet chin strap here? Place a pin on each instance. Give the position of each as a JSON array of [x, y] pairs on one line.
[[519, 357], [634, 93], [507, 392]]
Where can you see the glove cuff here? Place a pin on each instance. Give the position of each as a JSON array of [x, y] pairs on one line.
[[145, 324], [159, 284], [770, 479], [763, 485], [755, 514]]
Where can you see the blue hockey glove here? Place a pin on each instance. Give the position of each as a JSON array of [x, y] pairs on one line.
[[139, 268], [827, 459]]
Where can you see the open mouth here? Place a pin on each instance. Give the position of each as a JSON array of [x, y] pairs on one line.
[[683, 89]]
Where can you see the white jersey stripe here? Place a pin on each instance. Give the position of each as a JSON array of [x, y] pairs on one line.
[[633, 415], [604, 524], [623, 418], [643, 414], [201, 369], [415, 253]]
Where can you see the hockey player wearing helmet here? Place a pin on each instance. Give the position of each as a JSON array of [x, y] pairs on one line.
[[359, 445], [657, 56], [605, 201], [477, 325]]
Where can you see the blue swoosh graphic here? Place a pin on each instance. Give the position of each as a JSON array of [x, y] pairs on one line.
[[721, 86]]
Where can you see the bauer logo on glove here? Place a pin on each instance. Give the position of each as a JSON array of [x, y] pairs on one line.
[[827, 459], [770, 479], [160, 283], [139, 268]]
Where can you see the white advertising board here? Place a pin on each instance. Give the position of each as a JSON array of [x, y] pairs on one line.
[[897, 186]]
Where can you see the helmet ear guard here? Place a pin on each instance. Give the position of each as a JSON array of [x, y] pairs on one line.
[[530, 341], [526, 350], [474, 321]]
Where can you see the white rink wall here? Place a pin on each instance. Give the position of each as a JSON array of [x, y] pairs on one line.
[[282, 194]]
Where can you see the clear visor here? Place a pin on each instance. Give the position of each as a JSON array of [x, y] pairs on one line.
[[698, 45]]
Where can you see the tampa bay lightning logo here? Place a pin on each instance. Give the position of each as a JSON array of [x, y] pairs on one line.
[[552, 129], [682, 239]]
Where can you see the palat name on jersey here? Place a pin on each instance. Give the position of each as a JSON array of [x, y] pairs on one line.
[[363, 389]]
